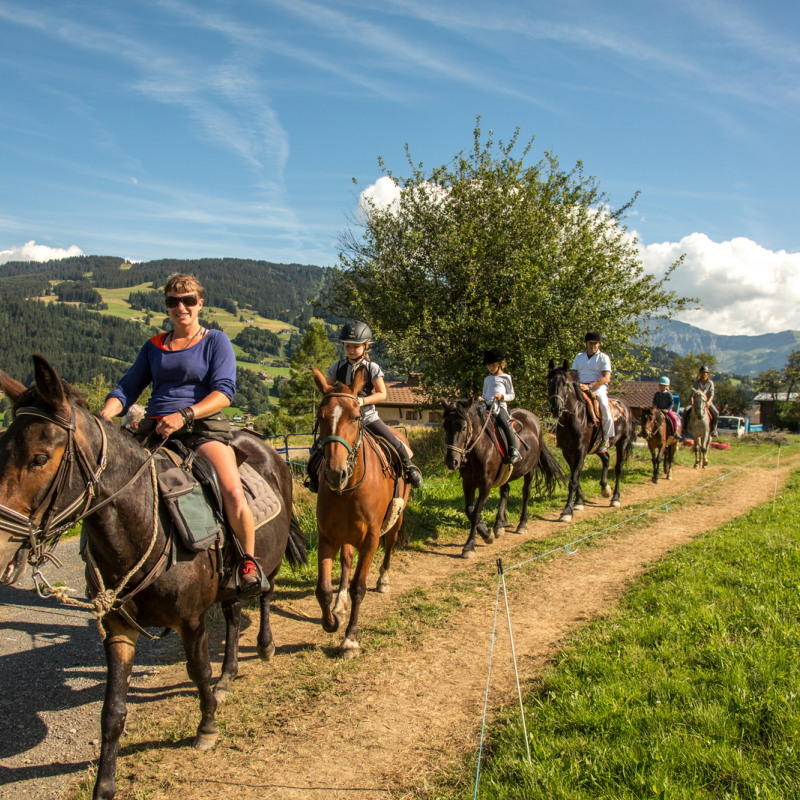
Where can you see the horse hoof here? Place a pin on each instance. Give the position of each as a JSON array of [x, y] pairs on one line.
[[696, 466], [349, 649], [522, 529], [615, 504], [205, 741], [331, 628], [467, 554], [489, 538], [578, 507], [383, 586], [669, 477], [498, 532], [220, 695], [266, 653], [565, 518]]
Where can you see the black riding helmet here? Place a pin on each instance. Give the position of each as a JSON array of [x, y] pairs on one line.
[[355, 332], [493, 356], [592, 336]]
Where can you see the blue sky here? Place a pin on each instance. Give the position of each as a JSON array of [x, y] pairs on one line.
[[184, 128]]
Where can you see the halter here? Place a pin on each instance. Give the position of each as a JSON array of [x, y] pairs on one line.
[[352, 450], [652, 433], [55, 521]]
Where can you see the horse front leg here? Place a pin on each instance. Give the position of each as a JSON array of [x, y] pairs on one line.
[[350, 648], [468, 550], [232, 610], [574, 489], [500, 520], [656, 462], [120, 649], [522, 525], [342, 596], [326, 552], [669, 455], [605, 460], [194, 635]]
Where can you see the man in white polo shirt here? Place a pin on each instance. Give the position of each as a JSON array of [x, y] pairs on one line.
[[593, 369]]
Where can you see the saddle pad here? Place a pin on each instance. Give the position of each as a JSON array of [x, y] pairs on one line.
[[617, 409], [261, 497], [503, 475]]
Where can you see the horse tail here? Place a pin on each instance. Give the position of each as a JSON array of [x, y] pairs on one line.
[[549, 471], [631, 440], [296, 543]]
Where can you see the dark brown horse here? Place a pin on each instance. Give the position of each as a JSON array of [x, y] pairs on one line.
[[577, 436], [54, 451], [359, 501], [661, 443], [471, 449]]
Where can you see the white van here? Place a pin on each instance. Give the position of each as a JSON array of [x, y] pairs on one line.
[[733, 426]]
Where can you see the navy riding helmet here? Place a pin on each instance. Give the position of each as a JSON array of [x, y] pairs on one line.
[[493, 355]]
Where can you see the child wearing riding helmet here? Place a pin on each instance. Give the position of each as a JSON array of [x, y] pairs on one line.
[[356, 338], [497, 390], [663, 401]]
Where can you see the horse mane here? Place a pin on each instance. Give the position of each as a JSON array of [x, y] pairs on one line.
[[30, 395]]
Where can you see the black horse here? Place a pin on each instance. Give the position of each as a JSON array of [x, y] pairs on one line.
[[471, 449], [57, 463], [577, 436]]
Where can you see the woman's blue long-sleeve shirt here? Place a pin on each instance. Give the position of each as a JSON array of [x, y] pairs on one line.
[[180, 378]]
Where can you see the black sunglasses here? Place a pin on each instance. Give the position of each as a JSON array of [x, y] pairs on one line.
[[188, 301]]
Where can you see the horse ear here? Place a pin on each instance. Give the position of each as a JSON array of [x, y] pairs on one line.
[[359, 379], [565, 366], [12, 388], [320, 381], [48, 384], [551, 365]]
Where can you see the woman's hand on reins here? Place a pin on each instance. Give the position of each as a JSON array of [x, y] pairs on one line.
[[169, 424]]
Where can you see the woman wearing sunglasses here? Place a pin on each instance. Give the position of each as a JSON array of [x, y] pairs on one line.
[[193, 374]]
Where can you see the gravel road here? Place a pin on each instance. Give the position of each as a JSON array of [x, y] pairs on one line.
[[52, 679]]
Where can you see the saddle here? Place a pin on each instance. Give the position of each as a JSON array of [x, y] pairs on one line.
[[189, 487], [593, 406]]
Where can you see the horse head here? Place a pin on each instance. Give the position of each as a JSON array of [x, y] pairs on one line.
[[557, 387], [340, 427], [461, 422], [649, 426], [699, 403], [31, 453]]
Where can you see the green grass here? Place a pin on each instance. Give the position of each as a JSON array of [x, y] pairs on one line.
[[689, 690]]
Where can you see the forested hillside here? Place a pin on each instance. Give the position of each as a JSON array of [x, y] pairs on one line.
[[275, 291]]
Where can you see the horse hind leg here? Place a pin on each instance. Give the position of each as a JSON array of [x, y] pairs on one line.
[[265, 642], [605, 460], [522, 526], [232, 610], [389, 541], [500, 520], [194, 635]]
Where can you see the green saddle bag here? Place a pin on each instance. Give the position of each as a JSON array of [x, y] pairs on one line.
[[191, 512]]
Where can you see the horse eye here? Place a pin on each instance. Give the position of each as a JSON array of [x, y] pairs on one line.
[[39, 461]]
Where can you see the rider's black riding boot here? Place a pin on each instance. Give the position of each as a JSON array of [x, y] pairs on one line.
[[412, 471], [511, 438]]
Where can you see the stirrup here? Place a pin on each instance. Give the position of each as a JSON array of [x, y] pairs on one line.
[[514, 455], [252, 589], [603, 448]]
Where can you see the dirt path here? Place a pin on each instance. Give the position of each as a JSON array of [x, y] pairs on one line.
[[309, 725]]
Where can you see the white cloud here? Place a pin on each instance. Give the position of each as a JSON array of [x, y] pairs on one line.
[[743, 288], [30, 251], [382, 194]]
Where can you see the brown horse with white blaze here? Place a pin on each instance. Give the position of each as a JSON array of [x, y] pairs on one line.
[[359, 501], [661, 443]]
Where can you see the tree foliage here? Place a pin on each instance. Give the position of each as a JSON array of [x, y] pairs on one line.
[[300, 395], [488, 252]]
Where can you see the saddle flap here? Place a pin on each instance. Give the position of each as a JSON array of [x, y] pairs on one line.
[[592, 403]]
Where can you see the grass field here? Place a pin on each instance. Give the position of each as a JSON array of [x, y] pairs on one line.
[[689, 690]]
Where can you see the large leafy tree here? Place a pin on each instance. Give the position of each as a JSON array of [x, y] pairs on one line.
[[299, 395], [488, 252]]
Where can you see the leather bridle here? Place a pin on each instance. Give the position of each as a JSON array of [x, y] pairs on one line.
[[43, 537], [463, 451], [352, 450]]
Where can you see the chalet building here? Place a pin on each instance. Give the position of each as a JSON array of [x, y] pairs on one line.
[[403, 406], [637, 394], [767, 406]]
